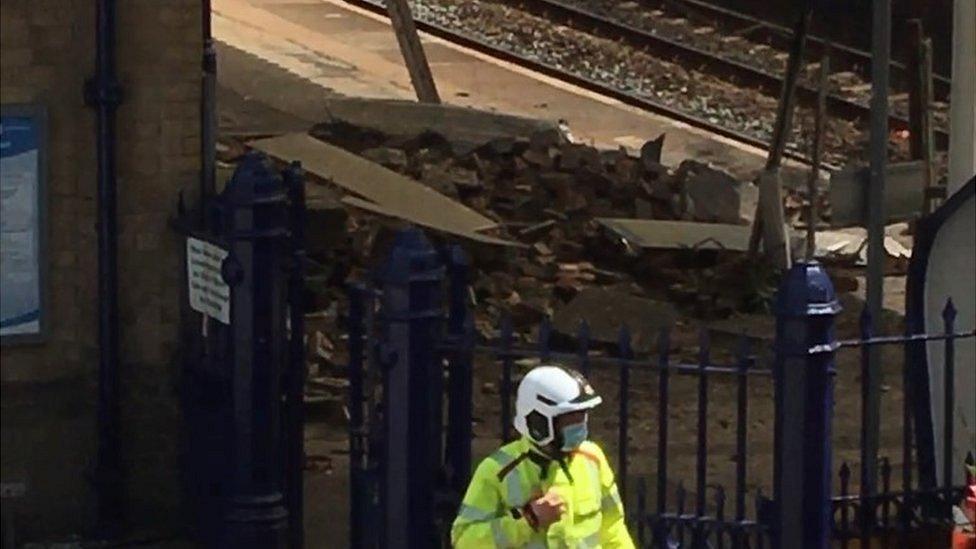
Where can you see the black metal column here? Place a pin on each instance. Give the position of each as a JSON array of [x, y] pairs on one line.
[[103, 94]]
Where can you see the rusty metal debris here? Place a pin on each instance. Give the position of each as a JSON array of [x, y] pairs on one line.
[[647, 233]]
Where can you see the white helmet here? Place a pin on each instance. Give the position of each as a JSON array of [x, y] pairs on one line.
[[545, 393]]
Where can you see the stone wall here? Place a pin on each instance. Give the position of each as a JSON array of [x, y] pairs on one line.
[[48, 50]]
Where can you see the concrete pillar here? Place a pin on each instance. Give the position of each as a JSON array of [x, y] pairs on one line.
[[962, 128]]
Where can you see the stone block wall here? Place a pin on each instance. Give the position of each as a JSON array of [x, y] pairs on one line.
[[49, 429]]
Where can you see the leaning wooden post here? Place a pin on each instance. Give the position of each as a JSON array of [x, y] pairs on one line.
[[784, 118], [413, 51], [920, 109]]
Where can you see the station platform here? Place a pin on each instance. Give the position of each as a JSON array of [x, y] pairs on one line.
[[325, 47]]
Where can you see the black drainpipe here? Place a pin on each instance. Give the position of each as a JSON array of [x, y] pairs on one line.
[[208, 115], [103, 93]]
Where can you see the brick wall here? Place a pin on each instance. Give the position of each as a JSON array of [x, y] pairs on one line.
[[49, 388]]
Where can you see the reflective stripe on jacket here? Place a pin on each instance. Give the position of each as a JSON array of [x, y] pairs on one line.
[[514, 475]]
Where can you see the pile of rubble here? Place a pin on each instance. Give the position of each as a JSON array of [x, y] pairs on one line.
[[554, 227], [548, 194]]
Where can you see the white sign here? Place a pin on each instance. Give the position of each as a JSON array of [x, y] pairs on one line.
[[209, 294]]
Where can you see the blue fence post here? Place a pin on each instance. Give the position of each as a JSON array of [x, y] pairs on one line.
[[254, 222], [411, 314], [460, 329], [625, 354], [294, 179], [805, 344]]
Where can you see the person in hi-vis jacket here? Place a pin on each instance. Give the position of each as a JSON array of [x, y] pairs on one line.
[[550, 488]]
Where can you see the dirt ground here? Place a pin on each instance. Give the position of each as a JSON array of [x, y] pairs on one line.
[[721, 423], [327, 480]]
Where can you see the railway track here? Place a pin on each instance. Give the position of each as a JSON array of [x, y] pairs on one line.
[[844, 58], [704, 89], [738, 72], [548, 69]]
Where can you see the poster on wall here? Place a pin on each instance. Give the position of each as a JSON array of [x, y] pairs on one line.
[[22, 261]]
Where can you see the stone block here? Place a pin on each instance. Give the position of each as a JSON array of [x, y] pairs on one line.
[[714, 195]]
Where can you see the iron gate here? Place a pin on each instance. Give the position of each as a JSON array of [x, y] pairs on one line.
[[243, 376]]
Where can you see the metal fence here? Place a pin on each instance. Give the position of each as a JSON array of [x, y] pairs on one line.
[[243, 377], [889, 513], [413, 346]]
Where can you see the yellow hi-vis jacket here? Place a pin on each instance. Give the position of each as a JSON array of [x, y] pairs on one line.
[[515, 475]]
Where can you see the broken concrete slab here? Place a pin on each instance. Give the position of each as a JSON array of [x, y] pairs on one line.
[[850, 246], [652, 233], [465, 128], [904, 193], [388, 190], [713, 195], [397, 213], [606, 310], [430, 223]]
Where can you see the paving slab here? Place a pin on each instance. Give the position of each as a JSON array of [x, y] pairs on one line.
[[388, 191], [653, 233]]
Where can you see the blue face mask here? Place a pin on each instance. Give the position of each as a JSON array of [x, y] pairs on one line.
[[574, 435]]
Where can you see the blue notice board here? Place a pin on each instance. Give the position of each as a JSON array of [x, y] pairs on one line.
[[22, 221]]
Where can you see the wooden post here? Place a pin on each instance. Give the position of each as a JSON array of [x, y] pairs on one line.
[[817, 152], [915, 103], [413, 51], [784, 119], [920, 109]]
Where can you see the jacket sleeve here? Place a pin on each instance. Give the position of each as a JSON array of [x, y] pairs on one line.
[[483, 521], [613, 533]]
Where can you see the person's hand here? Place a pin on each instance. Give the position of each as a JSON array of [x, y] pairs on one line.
[[548, 508]]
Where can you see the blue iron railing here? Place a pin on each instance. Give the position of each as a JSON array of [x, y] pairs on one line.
[[801, 512], [890, 515], [242, 383]]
